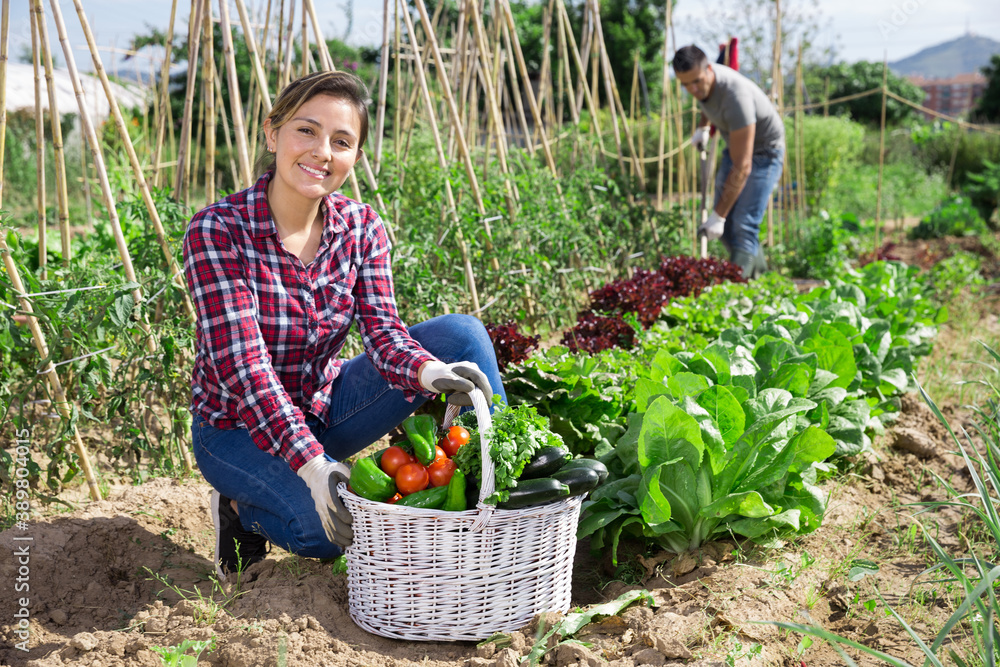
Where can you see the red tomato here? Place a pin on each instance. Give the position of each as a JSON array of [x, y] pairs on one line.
[[396, 498], [411, 477], [439, 455], [455, 438], [393, 459], [440, 472]]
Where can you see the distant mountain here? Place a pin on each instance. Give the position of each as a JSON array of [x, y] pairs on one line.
[[967, 53]]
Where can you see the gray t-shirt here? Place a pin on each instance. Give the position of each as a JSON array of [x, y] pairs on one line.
[[736, 102]]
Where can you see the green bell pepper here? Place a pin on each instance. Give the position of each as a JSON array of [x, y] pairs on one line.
[[422, 432]]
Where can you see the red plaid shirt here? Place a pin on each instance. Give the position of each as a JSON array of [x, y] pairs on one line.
[[269, 329]]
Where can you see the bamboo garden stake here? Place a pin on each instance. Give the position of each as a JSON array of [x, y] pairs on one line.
[[51, 377], [39, 148], [183, 173], [516, 92], [881, 153], [279, 45], [164, 100], [383, 75], [581, 55], [567, 73], [545, 73], [560, 70], [219, 102], [306, 53], [286, 70], [495, 121], [258, 69], [59, 155], [198, 139], [398, 80], [664, 107], [236, 105], [800, 139], [207, 75]]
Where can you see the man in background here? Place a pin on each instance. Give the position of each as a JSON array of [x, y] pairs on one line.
[[752, 160]]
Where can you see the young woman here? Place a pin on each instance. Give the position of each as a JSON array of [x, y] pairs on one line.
[[278, 272]]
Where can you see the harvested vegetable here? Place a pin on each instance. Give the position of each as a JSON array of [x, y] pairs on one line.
[[369, 482], [422, 433]]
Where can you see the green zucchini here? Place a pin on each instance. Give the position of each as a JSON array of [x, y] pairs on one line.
[[368, 481], [428, 499], [534, 492], [590, 464], [580, 480], [545, 462]]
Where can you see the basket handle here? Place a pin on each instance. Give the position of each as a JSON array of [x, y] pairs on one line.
[[484, 421]]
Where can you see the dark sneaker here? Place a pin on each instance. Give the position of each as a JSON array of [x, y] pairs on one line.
[[236, 549]]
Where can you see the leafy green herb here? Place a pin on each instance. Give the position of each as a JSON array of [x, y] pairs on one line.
[[516, 434]]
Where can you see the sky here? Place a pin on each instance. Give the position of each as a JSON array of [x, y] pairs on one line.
[[861, 29]]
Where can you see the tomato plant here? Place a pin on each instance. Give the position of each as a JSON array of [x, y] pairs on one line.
[[455, 438], [411, 477], [440, 472], [393, 459]]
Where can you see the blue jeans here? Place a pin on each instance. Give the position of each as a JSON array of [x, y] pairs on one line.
[[272, 500], [742, 230]]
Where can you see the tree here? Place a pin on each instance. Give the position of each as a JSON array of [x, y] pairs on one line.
[[849, 79], [753, 22], [988, 108]]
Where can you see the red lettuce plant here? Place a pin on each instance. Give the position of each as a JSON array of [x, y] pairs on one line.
[[511, 346]]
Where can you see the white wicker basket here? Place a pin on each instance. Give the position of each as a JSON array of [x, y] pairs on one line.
[[432, 575]]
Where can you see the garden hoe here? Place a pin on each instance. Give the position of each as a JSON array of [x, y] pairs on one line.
[[702, 239]]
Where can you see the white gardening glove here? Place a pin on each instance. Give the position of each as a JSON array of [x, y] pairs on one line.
[[456, 380], [322, 477], [700, 137], [712, 228]]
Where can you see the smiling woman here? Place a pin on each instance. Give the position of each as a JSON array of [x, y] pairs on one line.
[[278, 273]]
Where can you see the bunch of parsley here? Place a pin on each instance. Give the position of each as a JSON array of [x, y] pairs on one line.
[[515, 435]]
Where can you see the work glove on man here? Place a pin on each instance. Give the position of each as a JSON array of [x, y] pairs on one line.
[[457, 380], [700, 137], [322, 477], [713, 227]]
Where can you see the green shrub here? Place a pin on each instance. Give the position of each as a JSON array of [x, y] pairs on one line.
[[824, 246], [951, 275], [907, 190], [984, 189], [937, 146], [955, 216], [831, 148]]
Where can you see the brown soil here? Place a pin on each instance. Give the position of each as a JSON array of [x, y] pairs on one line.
[[94, 599], [927, 253]]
